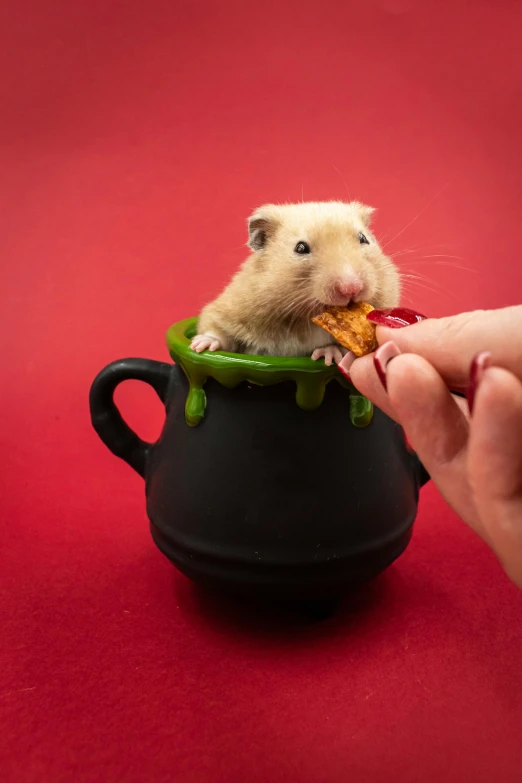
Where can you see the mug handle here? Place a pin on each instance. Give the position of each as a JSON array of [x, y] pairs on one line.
[[105, 416]]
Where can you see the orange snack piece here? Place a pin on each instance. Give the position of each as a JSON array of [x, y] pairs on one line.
[[349, 327]]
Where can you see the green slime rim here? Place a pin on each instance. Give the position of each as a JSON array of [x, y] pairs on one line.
[[231, 369]]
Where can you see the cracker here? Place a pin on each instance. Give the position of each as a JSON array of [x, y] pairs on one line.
[[349, 327]]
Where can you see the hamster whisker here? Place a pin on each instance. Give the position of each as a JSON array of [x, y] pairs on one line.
[[431, 255], [423, 278], [343, 181], [416, 249], [295, 305], [430, 202], [300, 308], [434, 290], [443, 263], [438, 247]]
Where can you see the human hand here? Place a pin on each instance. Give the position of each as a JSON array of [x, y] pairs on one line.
[[474, 458]]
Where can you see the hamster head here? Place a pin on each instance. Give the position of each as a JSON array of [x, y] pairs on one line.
[[323, 253]]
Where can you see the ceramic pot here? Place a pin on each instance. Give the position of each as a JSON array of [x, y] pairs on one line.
[[271, 476]]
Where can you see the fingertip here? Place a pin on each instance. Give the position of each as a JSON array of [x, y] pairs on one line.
[[363, 376], [434, 421], [497, 420], [346, 363], [409, 375], [496, 383], [384, 334], [360, 370]]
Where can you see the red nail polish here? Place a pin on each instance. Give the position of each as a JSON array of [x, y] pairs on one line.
[[479, 363], [382, 358], [395, 317]]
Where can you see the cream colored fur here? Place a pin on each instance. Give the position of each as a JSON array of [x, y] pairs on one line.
[[267, 306]]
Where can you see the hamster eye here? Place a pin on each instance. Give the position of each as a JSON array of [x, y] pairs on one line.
[[302, 248], [362, 239]]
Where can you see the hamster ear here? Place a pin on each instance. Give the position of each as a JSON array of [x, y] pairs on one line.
[[261, 226], [365, 213]]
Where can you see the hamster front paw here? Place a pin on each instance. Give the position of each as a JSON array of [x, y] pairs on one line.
[[205, 342], [331, 353]]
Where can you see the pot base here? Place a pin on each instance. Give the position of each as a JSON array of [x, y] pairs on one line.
[[317, 584]]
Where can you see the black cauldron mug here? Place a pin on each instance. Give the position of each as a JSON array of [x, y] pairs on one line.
[[272, 476]]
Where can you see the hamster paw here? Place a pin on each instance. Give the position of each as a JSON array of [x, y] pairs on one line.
[[205, 342], [331, 353]]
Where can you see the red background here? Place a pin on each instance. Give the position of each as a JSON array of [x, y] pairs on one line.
[[135, 139]]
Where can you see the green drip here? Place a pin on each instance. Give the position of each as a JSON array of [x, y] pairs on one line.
[[361, 410], [231, 369]]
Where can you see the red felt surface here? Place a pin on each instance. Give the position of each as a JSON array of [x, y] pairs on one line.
[[135, 138]]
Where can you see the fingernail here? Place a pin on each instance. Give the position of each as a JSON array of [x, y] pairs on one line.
[[479, 363], [382, 358], [345, 364], [395, 317]]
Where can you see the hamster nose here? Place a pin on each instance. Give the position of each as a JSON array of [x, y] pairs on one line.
[[347, 289]]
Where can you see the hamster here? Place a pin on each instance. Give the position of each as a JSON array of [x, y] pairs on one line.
[[305, 256]]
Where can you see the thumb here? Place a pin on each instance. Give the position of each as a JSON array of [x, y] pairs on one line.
[[449, 344]]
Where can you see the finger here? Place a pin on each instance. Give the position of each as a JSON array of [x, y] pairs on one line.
[[495, 464], [362, 374], [214, 346], [449, 344], [328, 359], [346, 362], [364, 377], [436, 427]]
